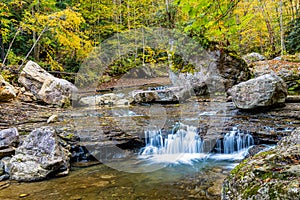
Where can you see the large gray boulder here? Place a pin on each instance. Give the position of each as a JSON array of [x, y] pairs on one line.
[[40, 156], [215, 73], [272, 174], [288, 71], [264, 91], [46, 87], [7, 91], [232, 69]]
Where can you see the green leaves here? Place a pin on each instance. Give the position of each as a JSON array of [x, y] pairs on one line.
[[293, 36], [209, 17]]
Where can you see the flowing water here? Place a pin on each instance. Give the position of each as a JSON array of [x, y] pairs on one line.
[[173, 164], [102, 182], [184, 145]]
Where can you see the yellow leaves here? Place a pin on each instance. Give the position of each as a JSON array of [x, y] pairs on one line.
[[5, 21], [66, 19], [64, 31], [49, 60], [149, 55], [69, 19]]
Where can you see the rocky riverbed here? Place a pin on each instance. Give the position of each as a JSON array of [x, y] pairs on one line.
[[40, 141], [125, 126]]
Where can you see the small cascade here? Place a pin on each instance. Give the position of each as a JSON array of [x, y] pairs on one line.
[[184, 145], [234, 141], [183, 139]]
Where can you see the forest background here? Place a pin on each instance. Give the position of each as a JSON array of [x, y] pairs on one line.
[[60, 34]]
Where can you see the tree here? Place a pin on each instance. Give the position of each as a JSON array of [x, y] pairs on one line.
[[209, 20], [4, 28], [293, 36], [64, 42]]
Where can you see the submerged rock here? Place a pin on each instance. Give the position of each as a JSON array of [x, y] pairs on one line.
[[7, 91], [264, 91], [272, 174], [46, 87], [39, 157]]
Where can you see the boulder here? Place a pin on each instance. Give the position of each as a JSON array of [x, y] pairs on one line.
[[40, 156], [264, 91], [57, 91], [46, 87], [253, 57], [105, 99], [146, 96], [231, 68], [7, 91], [272, 174], [216, 73], [165, 95], [9, 138], [197, 81], [288, 71]]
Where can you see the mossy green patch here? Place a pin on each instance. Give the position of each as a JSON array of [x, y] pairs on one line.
[[69, 136], [264, 154], [66, 103], [250, 191], [238, 167], [23, 133]]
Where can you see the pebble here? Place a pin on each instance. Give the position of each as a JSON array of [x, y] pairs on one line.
[[52, 119], [23, 195]]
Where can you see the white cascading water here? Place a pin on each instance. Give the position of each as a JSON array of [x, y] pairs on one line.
[[234, 141], [184, 145], [184, 140]]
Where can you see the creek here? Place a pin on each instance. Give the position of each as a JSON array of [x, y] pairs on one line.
[[185, 151]]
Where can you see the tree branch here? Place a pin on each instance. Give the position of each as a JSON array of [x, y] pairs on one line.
[[10, 45], [29, 52]]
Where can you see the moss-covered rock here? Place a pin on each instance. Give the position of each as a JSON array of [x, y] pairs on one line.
[[273, 174]]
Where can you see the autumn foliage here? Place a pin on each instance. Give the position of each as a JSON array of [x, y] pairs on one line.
[[66, 31]]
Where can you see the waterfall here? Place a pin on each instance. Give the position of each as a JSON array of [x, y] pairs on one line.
[[182, 139], [234, 141], [182, 144]]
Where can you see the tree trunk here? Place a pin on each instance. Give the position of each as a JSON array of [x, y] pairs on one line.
[[1, 44], [281, 30], [36, 50], [269, 27]]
